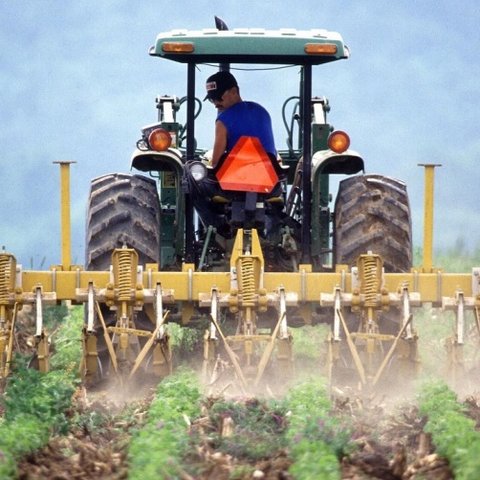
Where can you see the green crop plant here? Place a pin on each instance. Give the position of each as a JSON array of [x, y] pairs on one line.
[[309, 342], [43, 396], [54, 315], [317, 440], [19, 437], [35, 403], [184, 340], [156, 449], [453, 433], [67, 340]]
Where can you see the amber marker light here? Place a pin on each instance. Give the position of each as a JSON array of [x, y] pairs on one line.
[[159, 140], [320, 48], [177, 47], [338, 141]]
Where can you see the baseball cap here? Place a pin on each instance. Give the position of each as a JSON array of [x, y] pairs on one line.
[[218, 83]]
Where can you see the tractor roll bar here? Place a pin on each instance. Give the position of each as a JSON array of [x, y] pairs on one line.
[[189, 214], [306, 102]]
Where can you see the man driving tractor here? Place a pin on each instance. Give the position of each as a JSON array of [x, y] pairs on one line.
[[237, 119]]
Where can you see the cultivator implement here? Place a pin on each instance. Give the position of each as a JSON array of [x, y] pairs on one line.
[[262, 303], [247, 292]]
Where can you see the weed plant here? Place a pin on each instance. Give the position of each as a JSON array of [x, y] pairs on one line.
[[258, 428]]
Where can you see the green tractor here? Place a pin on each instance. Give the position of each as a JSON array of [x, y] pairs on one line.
[[157, 218], [155, 214], [273, 254]]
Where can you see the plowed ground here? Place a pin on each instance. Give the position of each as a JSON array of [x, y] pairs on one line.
[[390, 444], [388, 433]]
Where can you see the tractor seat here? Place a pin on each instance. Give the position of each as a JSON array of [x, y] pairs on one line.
[[275, 200], [220, 199]]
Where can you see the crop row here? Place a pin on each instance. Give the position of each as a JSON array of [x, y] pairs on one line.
[[247, 430], [35, 404], [181, 422], [453, 433]]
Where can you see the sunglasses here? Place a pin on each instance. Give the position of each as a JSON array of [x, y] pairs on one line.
[[218, 98], [215, 99]]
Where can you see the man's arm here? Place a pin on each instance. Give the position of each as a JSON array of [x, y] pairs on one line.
[[220, 143]]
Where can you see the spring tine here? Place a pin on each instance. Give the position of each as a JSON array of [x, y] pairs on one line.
[[160, 319], [108, 341], [390, 352], [148, 345], [268, 350], [460, 319], [231, 355], [38, 312], [90, 308], [214, 314], [353, 350]]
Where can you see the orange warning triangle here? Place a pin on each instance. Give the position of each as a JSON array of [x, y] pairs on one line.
[[247, 168]]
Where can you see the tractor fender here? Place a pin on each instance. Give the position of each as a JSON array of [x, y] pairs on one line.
[[329, 162], [326, 162], [151, 160]]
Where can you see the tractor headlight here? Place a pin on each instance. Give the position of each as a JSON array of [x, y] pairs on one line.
[[198, 171]]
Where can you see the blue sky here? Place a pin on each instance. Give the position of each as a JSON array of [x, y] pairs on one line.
[[77, 84]]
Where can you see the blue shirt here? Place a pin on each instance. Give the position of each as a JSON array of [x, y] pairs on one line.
[[248, 119]]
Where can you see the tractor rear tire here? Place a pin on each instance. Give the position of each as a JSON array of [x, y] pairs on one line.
[[123, 209], [372, 213]]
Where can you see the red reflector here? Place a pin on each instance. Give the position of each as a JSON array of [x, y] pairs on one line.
[[178, 47], [321, 48], [338, 141], [247, 168], [160, 140]]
